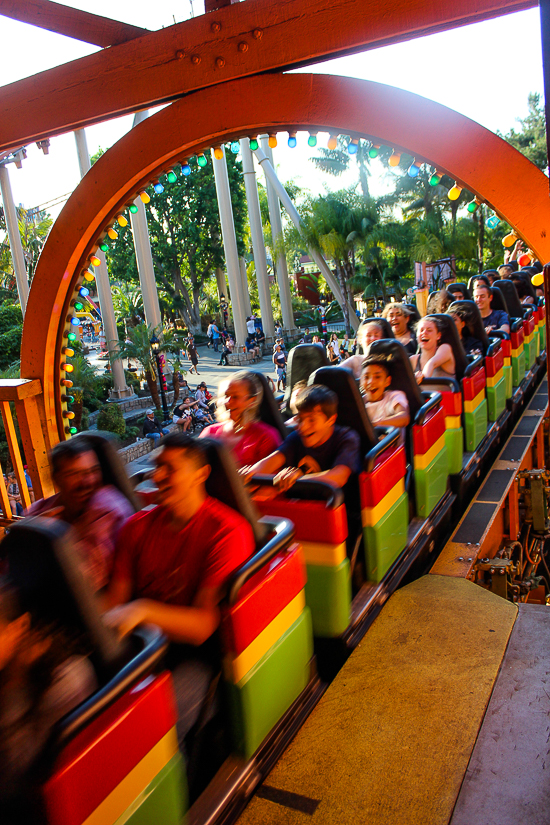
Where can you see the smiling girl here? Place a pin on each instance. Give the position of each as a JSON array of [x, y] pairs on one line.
[[435, 360]]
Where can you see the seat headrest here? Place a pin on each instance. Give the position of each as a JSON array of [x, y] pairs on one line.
[[499, 301], [511, 300], [473, 321], [269, 409], [402, 375], [225, 484], [474, 278], [43, 566], [460, 287], [413, 312], [303, 360], [449, 335], [351, 407], [526, 275]]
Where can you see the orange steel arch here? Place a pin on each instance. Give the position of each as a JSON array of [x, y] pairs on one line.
[[472, 155]]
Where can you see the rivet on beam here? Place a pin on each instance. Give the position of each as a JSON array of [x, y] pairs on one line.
[[195, 59]]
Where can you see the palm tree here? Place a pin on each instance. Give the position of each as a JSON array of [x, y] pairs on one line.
[[335, 225], [138, 348], [128, 303]]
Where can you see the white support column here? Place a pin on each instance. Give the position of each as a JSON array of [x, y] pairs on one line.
[[230, 247], [324, 268], [281, 269], [246, 293], [120, 389], [16, 247], [144, 259], [258, 246]]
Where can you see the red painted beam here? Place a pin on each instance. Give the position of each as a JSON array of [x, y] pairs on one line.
[[241, 40], [90, 28]]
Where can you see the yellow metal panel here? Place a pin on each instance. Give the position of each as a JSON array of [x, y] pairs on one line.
[[453, 422], [372, 515], [422, 461], [390, 741], [470, 406], [118, 801], [492, 380], [238, 667], [316, 552]]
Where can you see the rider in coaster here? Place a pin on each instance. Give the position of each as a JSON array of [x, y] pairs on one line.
[[435, 360], [171, 565], [248, 438], [95, 510], [492, 318], [369, 331], [318, 448], [385, 407], [400, 320]]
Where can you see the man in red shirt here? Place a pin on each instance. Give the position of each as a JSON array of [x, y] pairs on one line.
[[171, 565]]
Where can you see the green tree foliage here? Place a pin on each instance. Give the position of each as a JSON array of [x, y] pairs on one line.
[[530, 139], [110, 418], [33, 229], [11, 330], [185, 234]]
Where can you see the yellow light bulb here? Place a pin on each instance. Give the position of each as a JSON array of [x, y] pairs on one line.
[[394, 159], [94, 260], [144, 196], [89, 276], [272, 141], [67, 367], [112, 233], [509, 240], [454, 192], [218, 152], [538, 279], [121, 220], [68, 352], [332, 142]]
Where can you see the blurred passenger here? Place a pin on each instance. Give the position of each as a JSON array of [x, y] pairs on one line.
[[369, 331], [248, 438], [385, 407], [333, 349], [435, 360], [95, 510], [172, 564], [41, 679], [439, 301], [400, 320]]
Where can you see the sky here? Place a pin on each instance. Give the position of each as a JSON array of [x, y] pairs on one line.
[[463, 69]]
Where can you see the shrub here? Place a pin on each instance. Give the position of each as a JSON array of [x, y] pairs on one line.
[[110, 418]]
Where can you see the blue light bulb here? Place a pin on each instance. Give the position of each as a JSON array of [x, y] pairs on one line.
[[158, 187], [353, 146], [185, 169], [83, 291], [75, 322], [413, 170], [235, 147], [292, 141]]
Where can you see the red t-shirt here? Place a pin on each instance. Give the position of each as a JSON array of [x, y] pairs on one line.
[[171, 566], [256, 442]]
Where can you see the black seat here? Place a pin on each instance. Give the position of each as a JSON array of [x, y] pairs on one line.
[[414, 314], [269, 409], [460, 287], [351, 408], [526, 275], [515, 308], [499, 301], [302, 362], [473, 321], [51, 586]]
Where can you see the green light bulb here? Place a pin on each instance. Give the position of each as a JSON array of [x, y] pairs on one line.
[[172, 177], [71, 336], [78, 306], [435, 178], [373, 152], [472, 206], [104, 247], [133, 209], [253, 144], [73, 431], [312, 140], [201, 160]]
